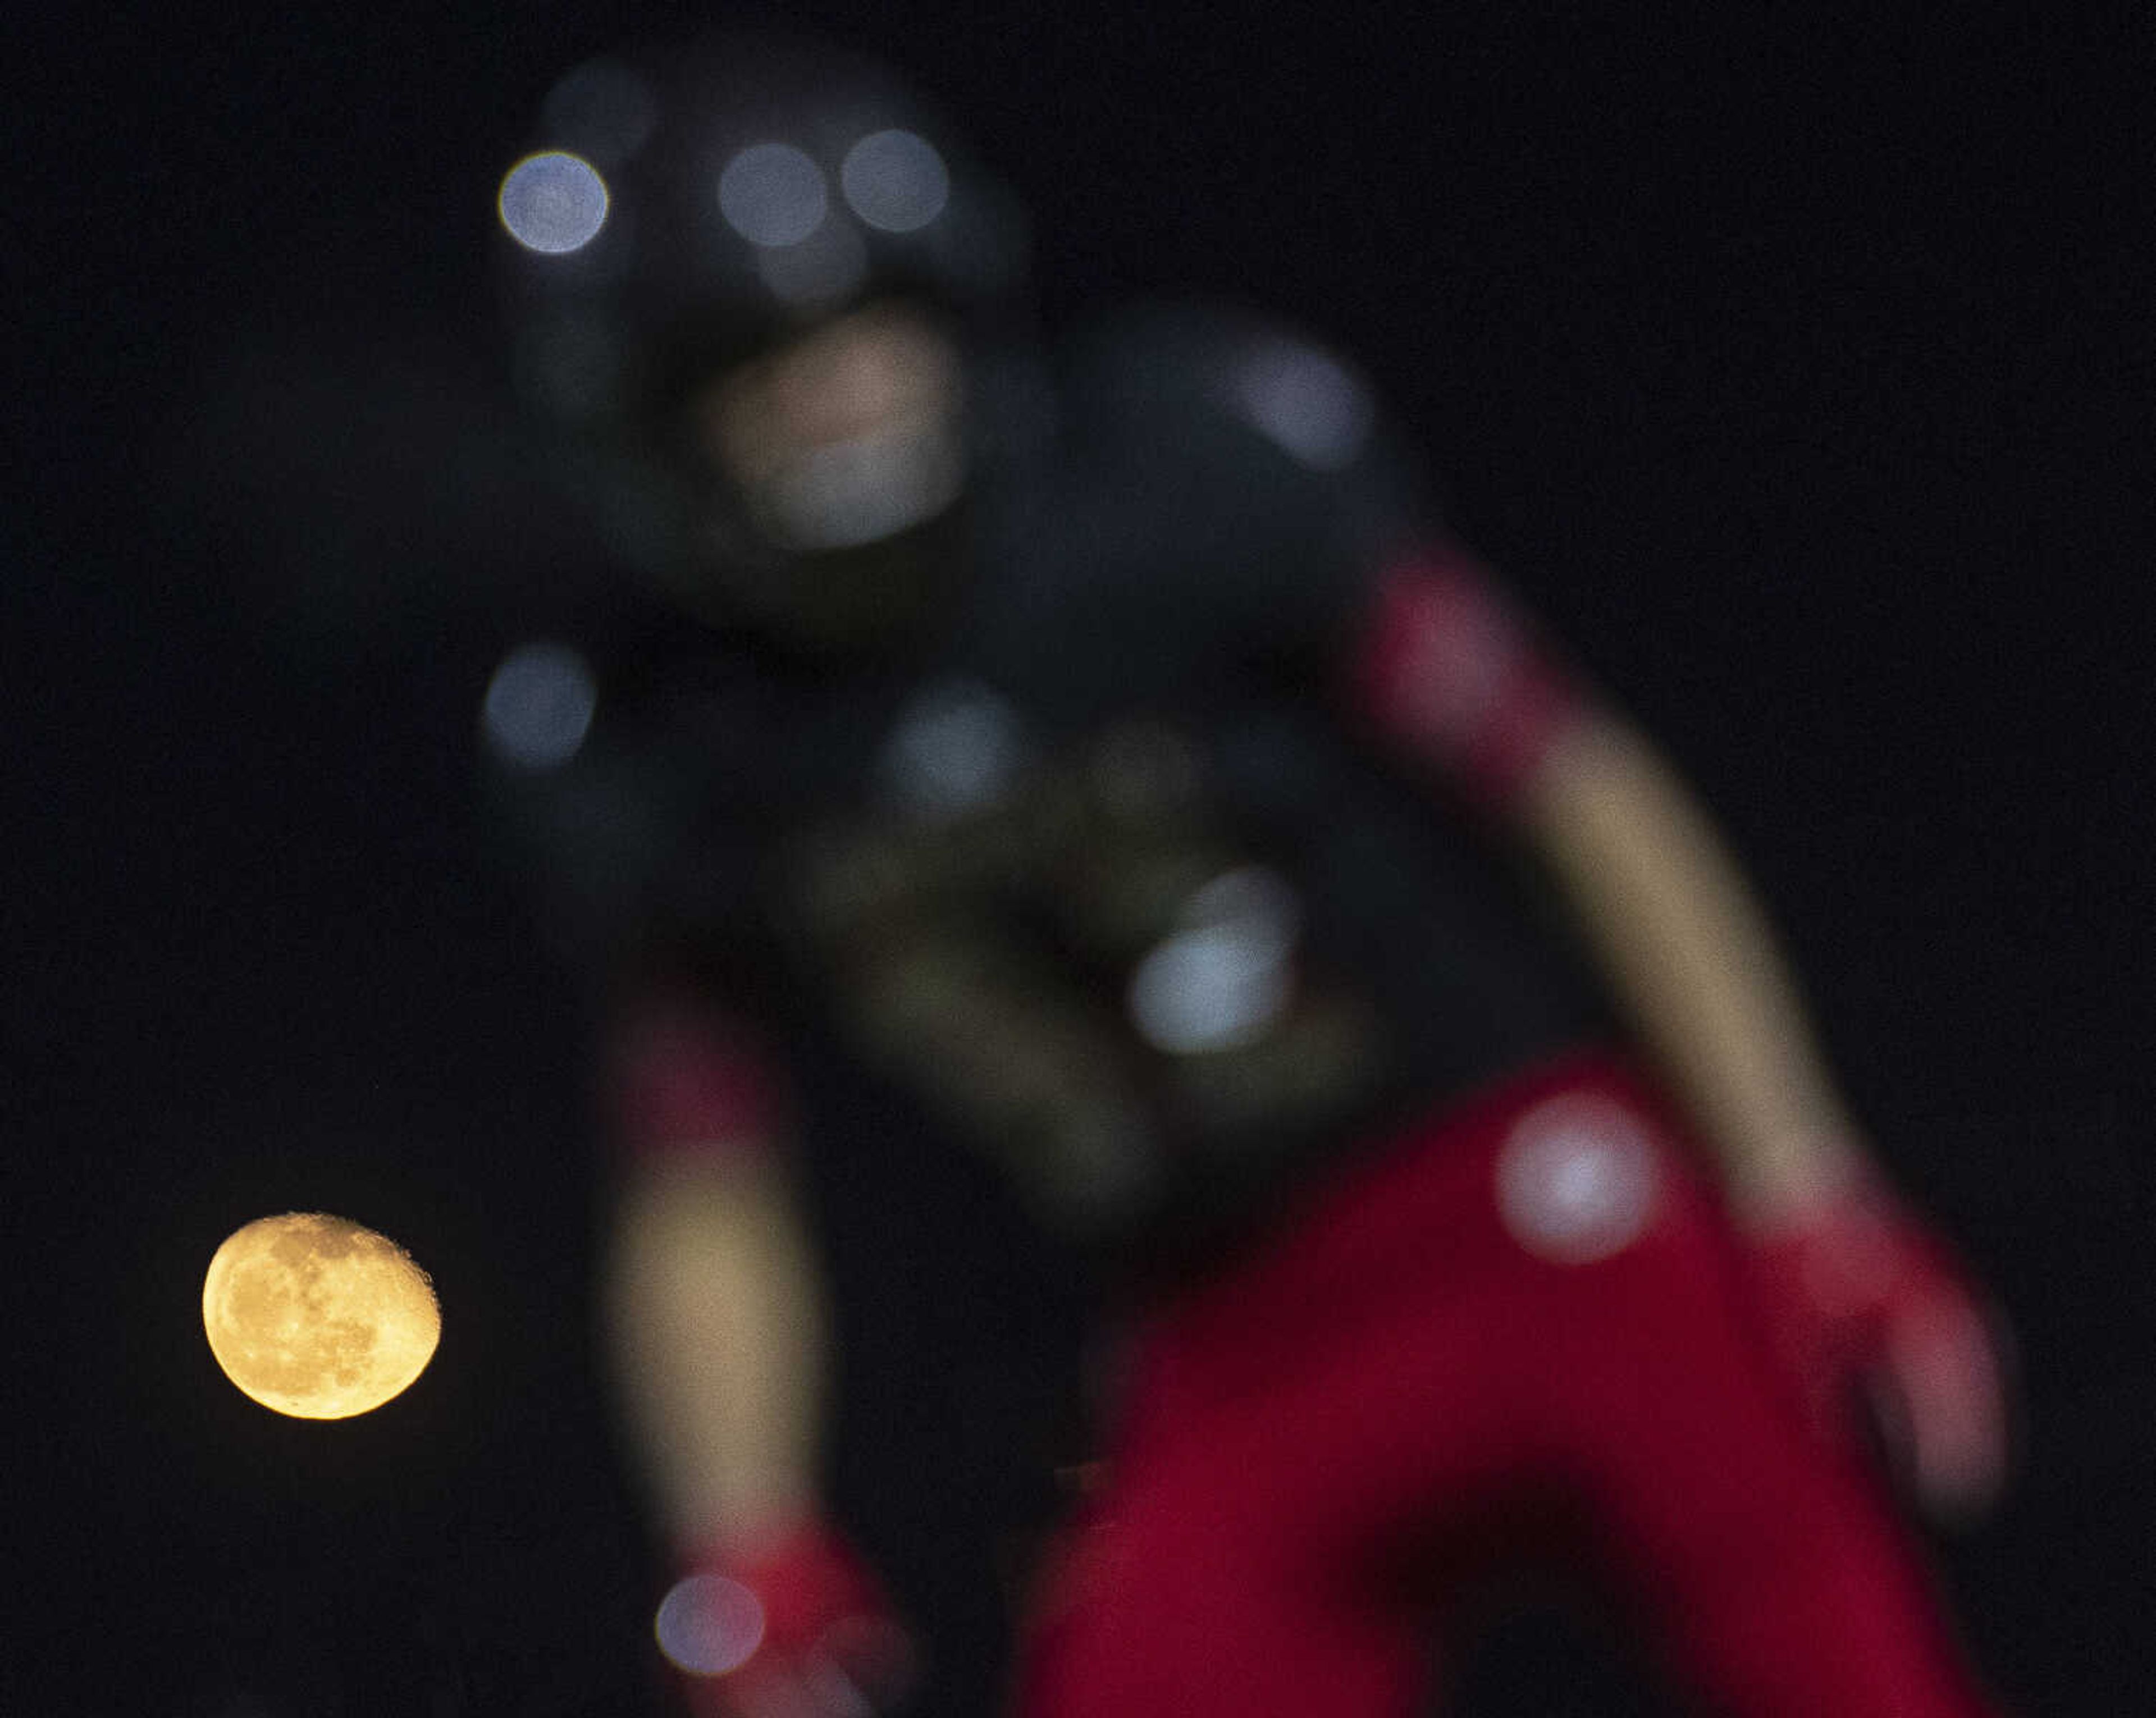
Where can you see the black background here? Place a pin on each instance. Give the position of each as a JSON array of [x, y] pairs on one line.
[[1794, 364]]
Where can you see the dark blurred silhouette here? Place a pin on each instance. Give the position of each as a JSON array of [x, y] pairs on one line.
[[1105, 760]]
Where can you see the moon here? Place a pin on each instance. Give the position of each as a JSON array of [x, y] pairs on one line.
[[316, 1317]]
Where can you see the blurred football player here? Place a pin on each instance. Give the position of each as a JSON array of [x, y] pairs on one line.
[[1114, 758]]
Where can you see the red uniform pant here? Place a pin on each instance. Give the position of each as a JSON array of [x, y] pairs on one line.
[[1528, 1311]]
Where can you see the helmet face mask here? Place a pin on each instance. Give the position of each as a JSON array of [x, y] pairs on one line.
[[846, 436]]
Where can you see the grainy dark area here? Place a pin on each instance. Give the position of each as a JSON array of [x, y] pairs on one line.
[[1794, 363]]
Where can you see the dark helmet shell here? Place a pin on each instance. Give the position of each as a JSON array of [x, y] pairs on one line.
[[682, 207]]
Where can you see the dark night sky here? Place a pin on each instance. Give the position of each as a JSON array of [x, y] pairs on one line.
[[1797, 371]]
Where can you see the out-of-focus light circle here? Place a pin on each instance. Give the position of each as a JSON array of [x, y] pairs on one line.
[[955, 749], [1223, 981], [601, 108], [1206, 990], [708, 1625], [772, 194], [895, 181], [1577, 1181], [1306, 403], [539, 706], [553, 202]]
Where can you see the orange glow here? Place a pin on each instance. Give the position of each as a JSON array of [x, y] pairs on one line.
[[315, 1317]]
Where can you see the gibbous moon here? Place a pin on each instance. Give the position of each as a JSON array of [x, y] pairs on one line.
[[316, 1317]]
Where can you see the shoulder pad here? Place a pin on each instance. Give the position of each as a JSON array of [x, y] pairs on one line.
[[1181, 360]]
